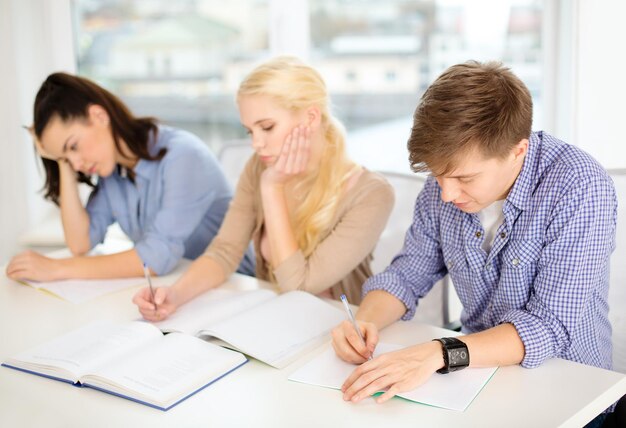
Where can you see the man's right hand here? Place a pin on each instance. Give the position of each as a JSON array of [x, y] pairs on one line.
[[348, 345], [163, 306]]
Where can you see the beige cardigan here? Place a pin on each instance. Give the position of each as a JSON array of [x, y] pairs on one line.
[[340, 261]]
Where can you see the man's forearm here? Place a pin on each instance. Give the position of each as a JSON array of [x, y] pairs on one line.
[[380, 308], [497, 346]]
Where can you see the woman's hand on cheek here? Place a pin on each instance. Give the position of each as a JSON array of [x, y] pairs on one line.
[[293, 158]]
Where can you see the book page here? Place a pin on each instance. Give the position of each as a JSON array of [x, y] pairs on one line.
[[211, 307], [166, 371], [453, 391], [82, 290], [281, 329], [79, 351]]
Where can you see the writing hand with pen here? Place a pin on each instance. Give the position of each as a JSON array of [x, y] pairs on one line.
[[351, 346], [403, 370], [155, 304]]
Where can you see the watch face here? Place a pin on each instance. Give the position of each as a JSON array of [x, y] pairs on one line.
[[458, 357]]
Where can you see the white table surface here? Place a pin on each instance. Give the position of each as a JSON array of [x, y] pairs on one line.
[[558, 394]]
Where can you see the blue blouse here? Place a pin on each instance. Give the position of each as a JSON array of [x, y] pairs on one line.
[[174, 207]]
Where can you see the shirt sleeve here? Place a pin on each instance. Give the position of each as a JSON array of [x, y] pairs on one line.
[[351, 240], [419, 265], [233, 238], [192, 182], [100, 215], [572, 268]]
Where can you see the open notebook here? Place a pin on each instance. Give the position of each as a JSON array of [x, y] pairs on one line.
[[132, 360], [454, 391], [82, 290], [275, 329]]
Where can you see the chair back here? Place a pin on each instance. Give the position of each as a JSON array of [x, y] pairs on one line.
[[233, 157], [440, 307]]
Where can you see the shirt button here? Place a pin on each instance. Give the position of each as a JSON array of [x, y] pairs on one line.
[[479, 234], [488, 267], [503, 235], [450, 265], [515, 262]]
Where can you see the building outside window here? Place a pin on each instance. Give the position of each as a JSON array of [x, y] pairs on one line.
[[182, 61]]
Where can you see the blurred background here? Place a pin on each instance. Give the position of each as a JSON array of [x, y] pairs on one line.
[[182, 61]]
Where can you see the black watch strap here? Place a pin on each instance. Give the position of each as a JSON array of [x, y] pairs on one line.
[[455, 354]]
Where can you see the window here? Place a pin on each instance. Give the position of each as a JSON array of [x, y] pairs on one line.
[[412, 42], [409, 43], [182, 61], [179, 61]]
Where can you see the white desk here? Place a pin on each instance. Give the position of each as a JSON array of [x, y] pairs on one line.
[[559, 393]]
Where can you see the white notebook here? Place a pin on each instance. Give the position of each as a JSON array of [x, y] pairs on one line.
[[82, 290], [132, 360], [275, 329], [454, 391]]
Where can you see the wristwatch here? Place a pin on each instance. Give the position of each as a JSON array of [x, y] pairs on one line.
[[455, 354]]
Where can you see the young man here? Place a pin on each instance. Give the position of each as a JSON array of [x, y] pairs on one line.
[[523, 223]]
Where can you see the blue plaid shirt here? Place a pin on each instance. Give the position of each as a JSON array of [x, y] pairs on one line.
[[548, 270]]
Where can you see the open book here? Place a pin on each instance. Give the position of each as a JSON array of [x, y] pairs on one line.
[[454, 391], [82, 290], [275, 329], [133, 360]]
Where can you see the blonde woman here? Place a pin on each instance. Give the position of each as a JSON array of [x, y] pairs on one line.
[[314, 215]]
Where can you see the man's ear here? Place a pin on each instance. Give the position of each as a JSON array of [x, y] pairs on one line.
[[520, 149], [313, 117], [98, 115]]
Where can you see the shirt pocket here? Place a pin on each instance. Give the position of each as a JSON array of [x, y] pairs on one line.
[[457, 264], [519, 268]]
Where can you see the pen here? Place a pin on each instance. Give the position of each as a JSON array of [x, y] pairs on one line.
[[344, 299], [146, 273]]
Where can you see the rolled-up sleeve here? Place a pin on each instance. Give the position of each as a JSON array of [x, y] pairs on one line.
[[572, 268], [100, 215], [419, 265], [190, 180]]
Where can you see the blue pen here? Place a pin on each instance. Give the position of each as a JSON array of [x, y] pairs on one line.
[[146, 273], [344, 299]]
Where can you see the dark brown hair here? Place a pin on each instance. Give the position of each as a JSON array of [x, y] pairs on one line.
[[471, 105], [68, 97]]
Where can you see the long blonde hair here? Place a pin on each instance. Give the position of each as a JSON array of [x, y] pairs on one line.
[[295, 86]]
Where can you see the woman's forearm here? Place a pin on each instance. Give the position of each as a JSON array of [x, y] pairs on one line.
[[277, 224], [73, 215], [203, 274], [126, 264]]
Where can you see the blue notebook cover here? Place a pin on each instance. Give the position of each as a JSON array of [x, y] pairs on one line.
[[80, 385]]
